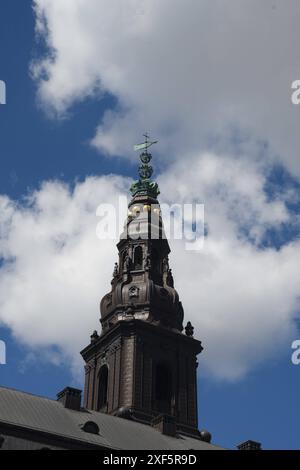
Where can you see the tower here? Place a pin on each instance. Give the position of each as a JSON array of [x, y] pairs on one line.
[[143, 366]]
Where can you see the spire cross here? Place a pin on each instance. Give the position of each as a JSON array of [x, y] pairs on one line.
[[146, 140]]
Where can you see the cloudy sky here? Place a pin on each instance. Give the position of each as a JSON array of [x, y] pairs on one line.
[[212, 82]]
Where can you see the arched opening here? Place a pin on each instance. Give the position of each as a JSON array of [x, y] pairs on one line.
[[163, 388], [138, 258], [102, 391]]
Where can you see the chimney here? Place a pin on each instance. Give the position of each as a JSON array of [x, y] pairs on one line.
[[249, 445], [70, 398], [166, 424]]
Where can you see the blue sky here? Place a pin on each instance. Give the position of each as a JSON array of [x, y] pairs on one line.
[[261, 405]]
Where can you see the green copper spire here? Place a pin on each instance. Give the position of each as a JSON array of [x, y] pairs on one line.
[[144, 185]]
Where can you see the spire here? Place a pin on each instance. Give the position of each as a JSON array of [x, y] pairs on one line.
[[143, 365], [144, 186]]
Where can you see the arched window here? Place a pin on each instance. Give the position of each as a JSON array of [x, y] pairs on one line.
[[102, 391], [163, 388], [138, 258]]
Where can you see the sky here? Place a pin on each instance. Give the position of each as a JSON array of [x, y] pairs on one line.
[[212, 82]]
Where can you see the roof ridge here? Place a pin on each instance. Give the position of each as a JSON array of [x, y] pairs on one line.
[[26, 393]]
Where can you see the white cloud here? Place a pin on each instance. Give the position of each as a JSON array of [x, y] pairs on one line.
[[204, 75], [55, 268], [191, 70], [241, 299], [233, 191]]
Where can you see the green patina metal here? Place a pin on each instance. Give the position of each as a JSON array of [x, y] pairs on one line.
[[144, 185]]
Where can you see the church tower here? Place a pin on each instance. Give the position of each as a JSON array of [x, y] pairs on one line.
[[143, 366]]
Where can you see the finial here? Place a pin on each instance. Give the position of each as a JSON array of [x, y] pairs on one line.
[[94, 336], [116, 270], [145, 185], [189, 329]]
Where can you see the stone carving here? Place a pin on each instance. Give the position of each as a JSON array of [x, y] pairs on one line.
[[170, 279], [129, 310], [127, 262], [134, 292], [189, 329], [116, 270], [94, 337], [102, 361]]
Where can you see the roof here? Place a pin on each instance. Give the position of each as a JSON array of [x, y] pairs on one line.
[[35, 413]]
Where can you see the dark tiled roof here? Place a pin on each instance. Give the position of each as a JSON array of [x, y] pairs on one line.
[[34, 413]]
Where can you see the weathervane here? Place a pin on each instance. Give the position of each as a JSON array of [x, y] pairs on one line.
[[145, 145]]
